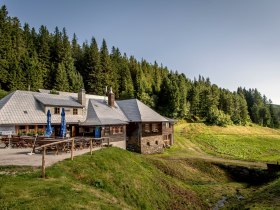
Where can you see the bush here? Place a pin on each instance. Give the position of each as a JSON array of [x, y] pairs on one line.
[[218, 117], [3, 93]]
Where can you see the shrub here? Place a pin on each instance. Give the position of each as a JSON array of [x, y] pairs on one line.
[[218, 117]]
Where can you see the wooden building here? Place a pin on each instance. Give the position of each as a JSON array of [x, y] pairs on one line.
[[129, 124]]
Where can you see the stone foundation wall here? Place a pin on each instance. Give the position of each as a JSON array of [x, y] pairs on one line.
[[133, 144], [120, 144], [152, 144]]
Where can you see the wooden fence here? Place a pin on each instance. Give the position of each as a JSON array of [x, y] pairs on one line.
[[61, 145]]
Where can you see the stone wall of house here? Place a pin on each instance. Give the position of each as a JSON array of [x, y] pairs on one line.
[[152, 144], [167, 132], [120, 144], [133, 144], [133, 132]]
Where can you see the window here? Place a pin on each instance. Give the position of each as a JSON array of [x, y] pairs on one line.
[[31, 127], [156, 142], [40, 128], [107, 131], [75, 111], [155, 127], [117, 130], [167, 125], [148, 143], [22, 129], [114, 130], [147, 128], [165, 137], [56, 110]]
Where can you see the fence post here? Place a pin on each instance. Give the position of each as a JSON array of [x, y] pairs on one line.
[[44, 163], [90, 146], [72, 149]]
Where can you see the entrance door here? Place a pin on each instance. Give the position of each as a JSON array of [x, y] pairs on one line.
[[97, 133]]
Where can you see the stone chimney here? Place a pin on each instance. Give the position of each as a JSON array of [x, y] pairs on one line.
[[82, 97], [111, 98]]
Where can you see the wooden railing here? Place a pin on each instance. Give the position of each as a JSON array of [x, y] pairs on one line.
[[72, 140], [44, 148]]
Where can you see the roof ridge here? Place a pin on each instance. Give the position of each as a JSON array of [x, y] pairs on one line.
[[138, 109], [91, 102]]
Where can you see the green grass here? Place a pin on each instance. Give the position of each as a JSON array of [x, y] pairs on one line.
[[264, 197], [260, 148], [116, 179], [234, 142], [252, 143]]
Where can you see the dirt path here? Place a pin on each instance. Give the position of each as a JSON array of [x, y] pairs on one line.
[[222, 160], [20, 157]]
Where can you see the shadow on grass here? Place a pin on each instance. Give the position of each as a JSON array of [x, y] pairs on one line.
[[250, 176]]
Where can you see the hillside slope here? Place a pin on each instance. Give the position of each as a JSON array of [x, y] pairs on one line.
[[243, 150], [251, 143], [116, 179], [190, 175]]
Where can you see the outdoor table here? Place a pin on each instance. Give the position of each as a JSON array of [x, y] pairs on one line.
[[58, 147]]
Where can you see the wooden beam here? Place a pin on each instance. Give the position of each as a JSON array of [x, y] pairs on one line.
[[91, 146], [44, 163], [72, 149]]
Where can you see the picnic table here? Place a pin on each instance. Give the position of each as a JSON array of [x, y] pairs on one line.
[[64, 146], [17, 141]]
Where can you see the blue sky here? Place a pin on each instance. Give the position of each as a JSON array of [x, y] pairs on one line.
[[234, 42]]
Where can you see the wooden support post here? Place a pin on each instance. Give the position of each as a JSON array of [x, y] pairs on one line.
[[90, 146], [108, 141], [44, 163], [72, 149], [56, 147]]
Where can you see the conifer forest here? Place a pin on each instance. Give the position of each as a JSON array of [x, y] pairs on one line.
[[31, 59]]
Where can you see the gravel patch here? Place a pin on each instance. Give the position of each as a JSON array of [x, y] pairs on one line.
[[20, 157]]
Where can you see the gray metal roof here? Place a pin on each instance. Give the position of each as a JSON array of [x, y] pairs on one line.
[[73, 95], [54, 101], [172, 121], [136, 111], [26, 107], [99, 113], [22, 107]]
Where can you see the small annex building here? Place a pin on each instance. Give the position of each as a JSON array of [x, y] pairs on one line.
[[130, 124]]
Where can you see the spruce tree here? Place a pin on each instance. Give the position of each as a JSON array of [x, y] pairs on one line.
[[43, 49], [96, 78], [74, 78], [108, 76], [61, 81], [5, 47]]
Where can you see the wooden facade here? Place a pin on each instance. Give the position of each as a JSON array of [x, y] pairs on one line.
[[149, 137], [29, 129], [142, 137]]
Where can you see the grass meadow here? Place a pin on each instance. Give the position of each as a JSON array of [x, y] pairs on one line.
[[113, 178], [252, 143]]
